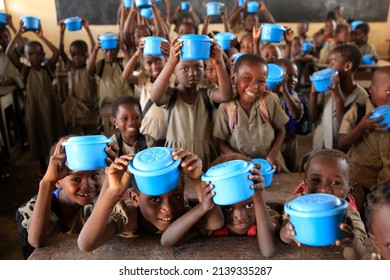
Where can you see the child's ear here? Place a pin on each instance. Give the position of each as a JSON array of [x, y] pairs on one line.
[[113, 121], [233, 78], [134, 197], [348, 66], [373, 240]]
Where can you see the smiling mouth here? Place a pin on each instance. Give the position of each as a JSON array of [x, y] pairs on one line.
[[165, 219], [251, 94], [85, 195]]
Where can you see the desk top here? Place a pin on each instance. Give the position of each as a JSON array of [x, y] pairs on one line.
[[380, 63]]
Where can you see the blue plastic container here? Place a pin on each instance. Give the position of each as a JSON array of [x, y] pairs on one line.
[[316, 218], [108, 41], [272, 33], [266, 170], [384, 111], [142, 4], [323, 79], [3, 20], [195, 47], [231, 181], [306, 47], [155, 170], [241, 2], [127, 3], [73, 23], [152, 46], [31, 23], [223, 39], [147, 13], [185, 6], [86, 152], [213, 8], [252, 7], [355, 24], [275, 75], [236, 56], [367, 59]]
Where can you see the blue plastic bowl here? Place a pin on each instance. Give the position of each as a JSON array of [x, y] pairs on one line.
[[86, 152], [316, 218], [73, 23], [306, 47], [223, 39], [266, 170], [155, 170], [31, 23], [127, 3], [195, 47], [275, 75], [384, 111], [142, 4], [185, 6], [231, 181], [323, 78], [108, 41], [252, 7], [355, 24], [367, 59], [236, 56], [214, 8], [152, 46], [3, 20], [272, 33], [241, 2], [147, 13]]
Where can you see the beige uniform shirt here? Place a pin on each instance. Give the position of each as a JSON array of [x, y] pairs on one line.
[[127, 149], [367, 48], [325, 51]]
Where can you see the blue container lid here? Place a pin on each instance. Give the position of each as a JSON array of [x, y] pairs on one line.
[[225, 36], [275, 73], [323, 74], [147, 13], [273, 26], [380, 111], [155, 38], [355, 24], [265, 164], [153, 159], [227, 170], [236, 56], [72, 19], [367, 59], [87, 139], [194, 37], [108, 36]]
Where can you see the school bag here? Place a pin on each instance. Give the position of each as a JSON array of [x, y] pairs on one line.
[[361, 111], [304, 126]]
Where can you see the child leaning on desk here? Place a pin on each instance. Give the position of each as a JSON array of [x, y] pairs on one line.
[[330, 171], [251, 217], [138, 214]]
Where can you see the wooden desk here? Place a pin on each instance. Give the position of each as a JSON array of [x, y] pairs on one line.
[[64, 247]]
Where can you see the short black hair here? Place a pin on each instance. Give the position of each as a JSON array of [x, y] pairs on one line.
[[252, 58], [379, 195], [81, 44], [350, 53], [364, 27], [125, 99], [33, 44]]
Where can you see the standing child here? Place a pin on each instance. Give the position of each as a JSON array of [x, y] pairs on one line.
[[188, 107], [43, 110], [327, 109], [342, 37], [377, 219], [253, 123], [81, 106], [250, 217], [361, 41], [367, 142], [330, 171]]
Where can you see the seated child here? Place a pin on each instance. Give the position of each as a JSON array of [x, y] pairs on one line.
[[64, 201], [330, 171], [377, 219], [251, 217], [368, 144], [360, 35], [342, 37], [327, 109], [271, 53], [139, 213], [253, 107]]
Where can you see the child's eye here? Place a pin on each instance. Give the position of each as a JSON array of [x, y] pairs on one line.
[[335, 183], [185, 69], [175, 197], [124, 119], [315, 180], [227, 208], [199, 67], [388, 91], [249, 205], [95, 176], [76, 179], [155, 199], [247, 79]]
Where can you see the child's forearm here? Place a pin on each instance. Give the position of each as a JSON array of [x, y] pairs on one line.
[[267, 14], [206, 25], [129, 69], [10, 52], [157, 94], [340, 109], [91, 62], [294, 110], [347, 140], [313, 107], [225, 92], [278, 141], [265, 229], [224, 147]]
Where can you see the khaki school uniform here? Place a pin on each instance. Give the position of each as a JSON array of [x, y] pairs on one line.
[[326, 133], [252, 136], [9, 74], [325, 51], [367, 48], [127, 149]]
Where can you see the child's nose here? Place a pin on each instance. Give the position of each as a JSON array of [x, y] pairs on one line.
[[166, 207], [240, 214]]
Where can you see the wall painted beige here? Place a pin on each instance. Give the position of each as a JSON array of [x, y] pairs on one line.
[[46, 11]]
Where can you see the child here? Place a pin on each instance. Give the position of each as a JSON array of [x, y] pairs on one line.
[[253, 123], [43, 109], [81, 106], [188, 107], [64, 201], [250, 217], [153, 122], [377, 219], [302, 29], [327, 109], [127, 118], [141, 213], [190, 17], [368, 144], [342, 37], [330, 171], [361, 41]]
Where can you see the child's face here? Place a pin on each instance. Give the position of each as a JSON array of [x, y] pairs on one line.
[[343, 36], [302, 28], [78, 56], [128, 120], [328, 175], [162, 210], [211, 73], [250, 21], [240, 217], [292, 73], [34, 55], [4, 39], [330, 27], [296, 46], [81, 187], [336, 61], [154, 65], [110, 55], [186, 28], [359, 36], [140, 33], [246, 45], [318, 40], [380, 89], [250, 80], [381, 230], [189, 73], [271, 53]]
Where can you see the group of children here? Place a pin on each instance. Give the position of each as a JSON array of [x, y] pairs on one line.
[[208, 111]]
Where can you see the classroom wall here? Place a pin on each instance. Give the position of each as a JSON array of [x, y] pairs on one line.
[[46, 11]]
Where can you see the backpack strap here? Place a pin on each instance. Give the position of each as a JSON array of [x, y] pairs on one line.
[[361, 111], [231, 111], [101, 68], [149, 104], [263, 108], [142, 142], [171, 103], [120, 143], [206, 100]]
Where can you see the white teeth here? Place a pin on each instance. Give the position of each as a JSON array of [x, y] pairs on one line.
[[85, 194], [166, 219]]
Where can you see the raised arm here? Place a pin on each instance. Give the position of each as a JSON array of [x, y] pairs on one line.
[[266, 12], [194, 16], [129, 23], [89, 33], [256, 34], [224, 18], [235, 16], [129, 69], [91, 62], [169, 10], [63, 55], [10, 51], [314, 109], [295, 111], [288, 37], [206, 25], [55, 52]]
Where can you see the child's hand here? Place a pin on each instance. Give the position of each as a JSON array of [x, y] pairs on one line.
[[85, 22], [174, 52], [21, 30], [8, 19], [335, 88], [223, 10], [118, 175], [112, 152], [207, 196], [282, 86], [57, 169], [141, 45], [165, 48], [367, 123], [257, 178], [287, 234], [350, 238], [190, 164], [256, 32], [216, 53], [288, 35], [273, 161], [62, 25], [39, 32]]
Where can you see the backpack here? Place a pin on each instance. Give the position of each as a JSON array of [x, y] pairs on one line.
[[304, 126], [141, 143], [361, 111]]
